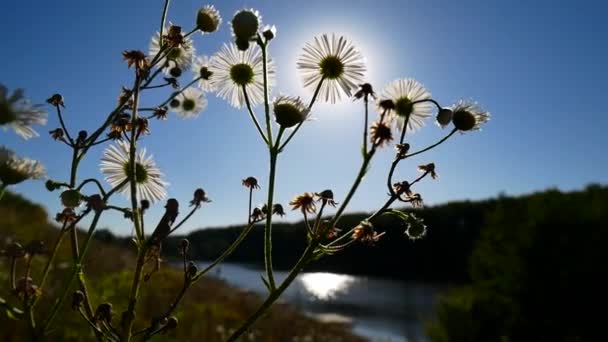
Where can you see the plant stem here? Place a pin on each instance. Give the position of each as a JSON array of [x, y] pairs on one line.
[[365, 100], [47, 268], [2, 190], [254, 118], [434, 145], [162, 21], [268, 228], [312, 102], [266, 102], [275, 294], [72, 277]]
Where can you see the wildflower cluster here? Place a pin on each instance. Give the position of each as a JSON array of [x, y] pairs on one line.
[[243, 74]]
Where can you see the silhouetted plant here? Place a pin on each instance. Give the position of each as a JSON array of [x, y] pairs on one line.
[[242, 73]]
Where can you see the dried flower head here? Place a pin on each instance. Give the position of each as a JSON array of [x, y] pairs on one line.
[[277, 209], [428, 168], [269, 32], [26, 288], [380, 134], [234, 70], [326, 231], [402, 188], [36, 247], [251, 183], [57, 134], [402, 150], [71, 198], [95, 203], [19, 114], [208, 19], [77, 300], [416, 200], [103, 313], [116, 166], [364, 232], [14, 250], [160, 112], [66, 216], [14, 170], [56, 100], [405, 94], [180, 52], [136, 59], [365, 90], [289, 111], [199, 197], [468, 116], [334, 61], [326, 197], [258, 214], [304, 202]]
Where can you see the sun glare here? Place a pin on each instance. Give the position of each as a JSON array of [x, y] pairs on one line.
[[325, 286]]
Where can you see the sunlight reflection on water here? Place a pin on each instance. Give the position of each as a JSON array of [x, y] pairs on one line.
[[325, 286]]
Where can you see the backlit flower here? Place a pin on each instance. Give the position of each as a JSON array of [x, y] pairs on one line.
[[180, 54], [468, 115], [233, 69], [208, 19], [14, 170], [304, 202], [117, 168], [202, 70], [191, 103], [18, 113], [428, 168], [335, 61], [289, 111], [245, 23], [404, 93]]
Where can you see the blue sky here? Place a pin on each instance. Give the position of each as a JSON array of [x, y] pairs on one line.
[[538, 66]]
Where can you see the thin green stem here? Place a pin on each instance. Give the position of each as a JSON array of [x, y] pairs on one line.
[[49, 263], [95, 181], [67, 133], [275, 294], [254, 118], [434, 145], [364, 165], [74, 167], [195, 208], [226, 253], [364, 147], [75, 272], [250, 203], [2, 190], [266, 101], [162, 21], [175, 94], [268, 228], [312, 102]]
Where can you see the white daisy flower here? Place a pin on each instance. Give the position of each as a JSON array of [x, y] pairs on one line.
[[233, 69], [208, 19], [289, 110], [180, 56], [202, 68], [116, 166], [335, 61], [403, 93], [18, 113], [191, 102], [468, 115], [14, 170]]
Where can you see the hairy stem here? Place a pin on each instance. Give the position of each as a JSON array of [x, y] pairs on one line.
[[268, 228]]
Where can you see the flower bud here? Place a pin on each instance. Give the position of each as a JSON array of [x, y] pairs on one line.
[[77, 299], [242, 43], [245, 24], [175, 72], [71, 198], [269, 32], [174, 103], [56, 100], [208, 19], [444, 117], [191, 270], [184, 244], [51, 185], [463, 120]]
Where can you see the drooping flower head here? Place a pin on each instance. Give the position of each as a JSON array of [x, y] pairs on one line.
[[208, 19], [233, 69], [468, 115], [191, 102], [18, 113], [117, 168], [335, 61], [289, 111], [181, 53], [404, 93], [14, 170], [201, 68]]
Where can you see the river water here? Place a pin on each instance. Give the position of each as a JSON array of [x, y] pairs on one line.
[[379, 309]]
